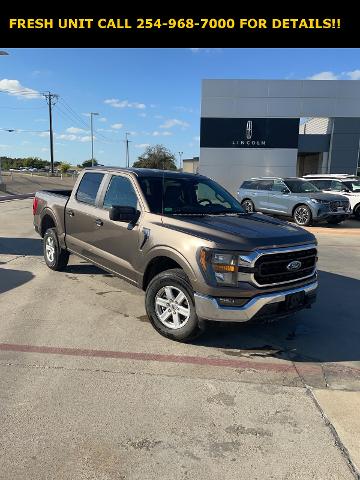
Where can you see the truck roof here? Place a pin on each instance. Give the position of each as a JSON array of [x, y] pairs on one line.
[[145, 172]]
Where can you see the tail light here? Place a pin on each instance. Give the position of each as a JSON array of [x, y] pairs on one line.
[[35, 205]]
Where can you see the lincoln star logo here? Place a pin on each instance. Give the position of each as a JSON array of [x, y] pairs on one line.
[[249, 129], [293, 266]]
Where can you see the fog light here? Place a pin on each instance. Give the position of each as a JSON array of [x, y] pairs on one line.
[[232, 302]]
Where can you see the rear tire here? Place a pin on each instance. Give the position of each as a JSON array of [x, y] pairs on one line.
[[302, 216], [55, 257], [248, 205], [170, 306]]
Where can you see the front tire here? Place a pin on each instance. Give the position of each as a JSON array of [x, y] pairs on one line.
[[357, 212], [170, 306], [302, 216], [55, 257], [248, 205]]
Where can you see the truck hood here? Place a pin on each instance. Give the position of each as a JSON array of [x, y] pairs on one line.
[[244, 232]]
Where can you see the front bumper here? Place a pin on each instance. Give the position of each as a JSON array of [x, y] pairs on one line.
[[208, 308]]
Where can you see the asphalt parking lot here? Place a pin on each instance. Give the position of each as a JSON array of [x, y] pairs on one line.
[[88, 390]]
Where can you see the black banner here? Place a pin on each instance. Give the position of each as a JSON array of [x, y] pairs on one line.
[[249, 132]]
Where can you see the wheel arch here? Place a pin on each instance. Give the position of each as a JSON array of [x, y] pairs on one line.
[[165, 259]]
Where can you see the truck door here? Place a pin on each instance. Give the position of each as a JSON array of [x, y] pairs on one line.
[[115, 245], [81, 214]]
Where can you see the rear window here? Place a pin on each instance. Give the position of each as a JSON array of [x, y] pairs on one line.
[[89, 187], [249, 185], [321, 184]]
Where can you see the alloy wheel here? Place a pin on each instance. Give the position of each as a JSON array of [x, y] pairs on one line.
[[172, 307], [302, 215], [50, 249]]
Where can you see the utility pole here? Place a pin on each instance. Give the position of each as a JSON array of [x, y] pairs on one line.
[[92, 136], [180, 156], [127, 149], [51, 99]]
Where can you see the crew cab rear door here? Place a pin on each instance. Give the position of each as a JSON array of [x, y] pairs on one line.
[[81, 213]]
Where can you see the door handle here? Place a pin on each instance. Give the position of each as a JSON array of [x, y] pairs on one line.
[[99, 222], [70, 213]]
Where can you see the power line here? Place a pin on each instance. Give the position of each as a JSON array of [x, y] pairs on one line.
[[20, 130], [74, 113]]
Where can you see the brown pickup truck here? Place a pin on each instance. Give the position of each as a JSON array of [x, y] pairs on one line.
[[185, 241]]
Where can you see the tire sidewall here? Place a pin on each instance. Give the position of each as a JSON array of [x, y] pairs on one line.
[[188, 331], [310, 216], [51, 233]]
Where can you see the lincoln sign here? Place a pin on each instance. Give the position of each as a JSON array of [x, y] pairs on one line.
[[249, 132]]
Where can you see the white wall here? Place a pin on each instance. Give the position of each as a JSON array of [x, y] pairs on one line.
[[231, 166]]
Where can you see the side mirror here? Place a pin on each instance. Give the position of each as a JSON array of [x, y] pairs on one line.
[[118, 213], [285, 191]]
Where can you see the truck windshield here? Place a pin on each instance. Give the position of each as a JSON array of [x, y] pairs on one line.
[[300, 186], [187, 195], [353, 185]]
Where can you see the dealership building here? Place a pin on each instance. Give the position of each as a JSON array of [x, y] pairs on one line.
[[278, 128]]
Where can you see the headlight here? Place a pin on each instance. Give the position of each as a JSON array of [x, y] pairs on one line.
[[318, 200], [221, 266]]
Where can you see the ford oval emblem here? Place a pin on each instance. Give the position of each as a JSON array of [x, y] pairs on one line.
[[294, 265]]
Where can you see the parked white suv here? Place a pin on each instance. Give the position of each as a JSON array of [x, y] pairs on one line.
[[347, 185]]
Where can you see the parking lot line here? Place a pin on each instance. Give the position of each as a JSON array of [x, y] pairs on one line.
[[155, 357]]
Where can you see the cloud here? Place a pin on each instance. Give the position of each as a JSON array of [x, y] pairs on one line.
[[103, 119], [44, 149], [142, 114], [14, 87], [142, 145], [354, 75], [206, 50], [181, 108], [328, 75], [116, 103], [117, 126], [74, 138], [324, 76], [2, 145], [76, 130], [43, 134], [174, 122], [196, 138], [161, 134]]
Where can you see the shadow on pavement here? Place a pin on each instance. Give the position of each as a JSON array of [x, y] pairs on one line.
[[10, 279], [85, 269], [20, 246], [329, 332]]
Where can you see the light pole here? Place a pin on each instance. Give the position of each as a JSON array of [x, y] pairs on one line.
[[92, 136], [180, 156], [127, 149]]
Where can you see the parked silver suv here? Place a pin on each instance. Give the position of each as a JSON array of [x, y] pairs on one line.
[[293, 197]]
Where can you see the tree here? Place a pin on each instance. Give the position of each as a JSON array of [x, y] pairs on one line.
[[156, 156], [64, 167], [88, 163]]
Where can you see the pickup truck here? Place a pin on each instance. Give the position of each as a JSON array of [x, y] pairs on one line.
[[185, 241]]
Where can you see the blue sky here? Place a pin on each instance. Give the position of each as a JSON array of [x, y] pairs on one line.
[[152, 93]]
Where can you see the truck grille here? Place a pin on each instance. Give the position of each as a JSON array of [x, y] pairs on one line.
[[336, 204], [275, 268]]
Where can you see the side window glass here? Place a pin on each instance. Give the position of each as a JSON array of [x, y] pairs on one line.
[[337, 186], [89, 187], [278, 186], [120, 192], [265, 184]]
